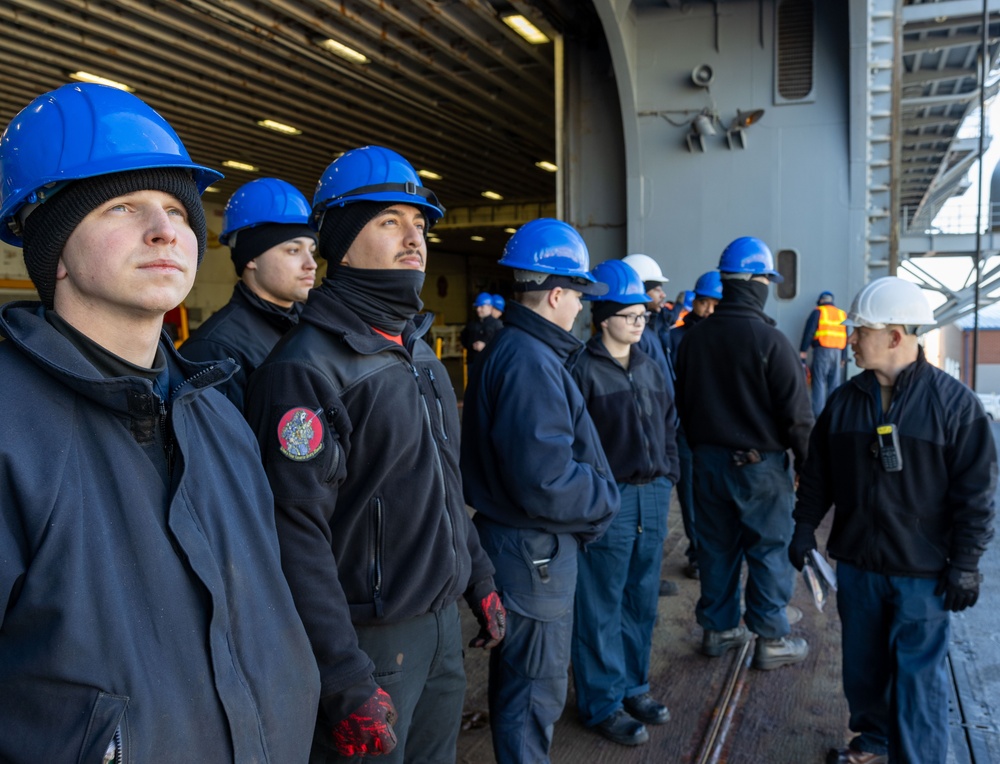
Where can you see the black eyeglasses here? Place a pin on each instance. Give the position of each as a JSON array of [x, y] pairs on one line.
[[633, 318]]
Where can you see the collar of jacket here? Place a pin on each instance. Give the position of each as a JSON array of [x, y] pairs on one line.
[[24, 325], [865, 382], [279, 317], [635, 356], [562, 342], [326, 312], [691, 319]]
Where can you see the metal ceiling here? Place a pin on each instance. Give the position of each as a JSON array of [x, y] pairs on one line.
[[448, 85], [939, 89]]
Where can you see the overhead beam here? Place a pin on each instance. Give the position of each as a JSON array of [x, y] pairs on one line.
[[943, 15]]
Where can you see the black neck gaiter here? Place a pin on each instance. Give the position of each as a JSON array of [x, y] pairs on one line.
[[385, 299], [746, 292]]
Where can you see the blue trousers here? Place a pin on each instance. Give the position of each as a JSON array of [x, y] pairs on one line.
[[419, 662], [529, 670], [685, 495], [743, 513], [825, 368], [895, 641], [617, 592]]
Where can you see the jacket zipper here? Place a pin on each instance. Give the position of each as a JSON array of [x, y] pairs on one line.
[[168, 441], [439, 467], [440, 406], [377, 558], [114, 752]]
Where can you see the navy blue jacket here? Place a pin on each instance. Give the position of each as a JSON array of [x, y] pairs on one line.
[[633, 414], [244, 329], [160, 613], [937, 510], [740, 383], [531, 456], [370, 517]]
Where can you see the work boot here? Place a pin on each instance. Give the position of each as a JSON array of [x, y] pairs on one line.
[[646, 709], [775, 653], [623, 729], [691, 570], [715, 643], [852, 756]]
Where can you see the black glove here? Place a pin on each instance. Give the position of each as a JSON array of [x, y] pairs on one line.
[[803, 542], [959, 587], [368, 731], [492, 619]]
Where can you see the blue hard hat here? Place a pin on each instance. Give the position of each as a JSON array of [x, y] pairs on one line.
[[624, 284], [81, 131], [265, 200], [748, 254], [824, 296], [372, 174], [546, 245], [499, 303], [483, 299], [709, 285], [688, 301]]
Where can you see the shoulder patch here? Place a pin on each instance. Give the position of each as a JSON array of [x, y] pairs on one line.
[[300, 434]]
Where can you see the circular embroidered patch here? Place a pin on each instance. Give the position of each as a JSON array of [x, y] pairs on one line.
[[300, 434]]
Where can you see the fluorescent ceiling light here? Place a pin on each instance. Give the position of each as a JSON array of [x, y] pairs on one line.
[[344, 52], [240, 166], [510, 230], [477, 238], [525, 28], [211, 190], [492, 195], [279, 127], [98, 80], [547, 166], [433, 239], [429, 174]]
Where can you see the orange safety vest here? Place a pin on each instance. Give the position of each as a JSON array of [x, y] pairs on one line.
[[831, 332]]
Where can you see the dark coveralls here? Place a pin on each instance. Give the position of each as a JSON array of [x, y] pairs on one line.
[[141, 595], [893, 536], [480, 330], [534, 470], [358, 437], [740, 387], [685, 483], [619, 574], [244, 329]]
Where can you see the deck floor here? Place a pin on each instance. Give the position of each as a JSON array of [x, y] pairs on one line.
[[792, 715]]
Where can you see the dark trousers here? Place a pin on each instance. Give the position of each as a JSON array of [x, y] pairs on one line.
[[617, 592], [825, 368], [895, 641], [744, 513], [685, 495], [536, 576], [419, 662]]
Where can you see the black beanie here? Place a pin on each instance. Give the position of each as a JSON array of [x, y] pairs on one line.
[[602, 309], [48, 226], [251, 242], [341, 226]]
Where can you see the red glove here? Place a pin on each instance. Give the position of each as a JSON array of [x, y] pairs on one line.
[[492, 622], [368, 731]]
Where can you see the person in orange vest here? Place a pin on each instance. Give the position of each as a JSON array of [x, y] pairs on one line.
[[826, 336]]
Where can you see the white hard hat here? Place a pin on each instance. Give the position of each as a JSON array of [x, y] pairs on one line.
[[890, 300], [646, 267]]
